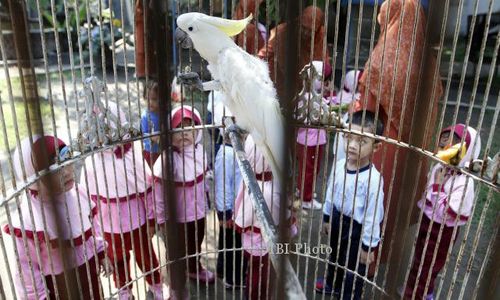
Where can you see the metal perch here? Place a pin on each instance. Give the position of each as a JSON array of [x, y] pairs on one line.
[[269, 230]]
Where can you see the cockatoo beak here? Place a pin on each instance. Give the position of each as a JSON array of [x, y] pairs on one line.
[[183, 39]]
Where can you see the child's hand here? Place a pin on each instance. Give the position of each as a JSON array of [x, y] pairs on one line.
[[325, 228], [366, 258], [106, 267]]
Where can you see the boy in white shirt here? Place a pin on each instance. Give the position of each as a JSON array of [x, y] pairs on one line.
[[353, 210]]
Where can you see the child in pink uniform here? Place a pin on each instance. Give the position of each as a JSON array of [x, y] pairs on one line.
[[347, 95], [189, 167], [66, 220], [247, 224], [449, 197], [118, 185], [310, 147]]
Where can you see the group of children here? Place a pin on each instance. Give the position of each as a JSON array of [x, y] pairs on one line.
[[110, 213], [67, 232]]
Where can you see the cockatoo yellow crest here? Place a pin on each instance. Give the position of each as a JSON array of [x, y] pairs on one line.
[[229, 27]]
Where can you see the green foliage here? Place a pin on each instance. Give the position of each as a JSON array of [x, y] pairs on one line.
[[60, 15]]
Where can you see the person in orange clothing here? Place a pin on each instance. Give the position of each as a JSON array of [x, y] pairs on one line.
[[144, 63], [254, 36], [390, 79], [312, 30]]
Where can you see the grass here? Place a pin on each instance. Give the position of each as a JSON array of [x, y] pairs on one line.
[[491, 213], [22, 122]]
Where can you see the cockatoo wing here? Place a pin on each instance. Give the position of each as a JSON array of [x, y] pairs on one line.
[[251, 97]]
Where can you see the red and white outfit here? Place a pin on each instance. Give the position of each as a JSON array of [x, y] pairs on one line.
[[310, 146], [124, 198], [68, 221], [246, 221], [446, 205], [189, 166]]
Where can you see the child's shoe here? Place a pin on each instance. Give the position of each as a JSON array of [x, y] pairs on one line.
[[158, 292], [203, 275], [125, 294]]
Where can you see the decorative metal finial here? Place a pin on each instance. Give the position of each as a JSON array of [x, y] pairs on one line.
[[310, 107], [100, 125]]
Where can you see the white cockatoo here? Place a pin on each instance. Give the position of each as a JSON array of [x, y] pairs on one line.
[[243, 78]]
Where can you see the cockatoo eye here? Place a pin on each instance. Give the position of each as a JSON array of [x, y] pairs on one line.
[[190, 28]]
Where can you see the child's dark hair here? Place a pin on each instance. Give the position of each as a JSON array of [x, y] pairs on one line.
[[369, 121], [151, 85]]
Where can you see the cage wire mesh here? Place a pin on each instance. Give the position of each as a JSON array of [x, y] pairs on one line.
[[136, 189]]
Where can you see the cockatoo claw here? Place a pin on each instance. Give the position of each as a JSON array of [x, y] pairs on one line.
[[228, 122], [191, 80], [236, 129]]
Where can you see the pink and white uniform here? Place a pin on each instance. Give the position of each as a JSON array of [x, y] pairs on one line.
[[457, 189], [117, 179], [68, 220], [189, 166], [445, 206], [117, 184], [244, 217]]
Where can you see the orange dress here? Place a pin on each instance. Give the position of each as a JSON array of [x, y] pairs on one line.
[[275, 52], [250, 39], [143, 40], [386, 84]]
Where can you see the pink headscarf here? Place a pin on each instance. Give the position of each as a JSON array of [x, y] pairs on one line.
[[472, 141], [190, 162]]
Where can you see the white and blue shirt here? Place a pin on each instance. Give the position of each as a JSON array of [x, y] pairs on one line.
[[150, 123], [362, 200], [228, 179]]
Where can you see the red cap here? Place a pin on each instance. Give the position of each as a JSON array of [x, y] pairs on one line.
[[184, 113], [459, 131], [50, 146]]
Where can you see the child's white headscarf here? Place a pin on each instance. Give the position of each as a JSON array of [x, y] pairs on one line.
[[53, 212], [22, 156], [349, 91], [474, 148]]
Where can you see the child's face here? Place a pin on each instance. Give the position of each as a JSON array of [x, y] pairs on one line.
[[359, 148], [184, 138], [153, 103], [59, 182], [447, 139]]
